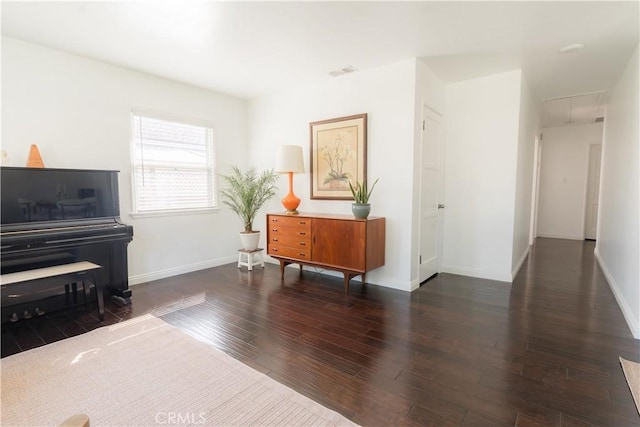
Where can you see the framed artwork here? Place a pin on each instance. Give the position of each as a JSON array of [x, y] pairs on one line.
[[338, 155]]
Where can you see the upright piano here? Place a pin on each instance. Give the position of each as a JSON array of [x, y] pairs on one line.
[[59, 216]]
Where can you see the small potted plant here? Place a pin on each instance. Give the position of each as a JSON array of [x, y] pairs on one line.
[[245, 193], [361, 206]]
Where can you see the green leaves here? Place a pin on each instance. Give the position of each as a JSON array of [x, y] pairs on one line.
[[334, 176], [360, 193], [246, 192]]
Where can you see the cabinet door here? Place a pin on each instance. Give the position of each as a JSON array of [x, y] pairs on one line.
[[339, 243]]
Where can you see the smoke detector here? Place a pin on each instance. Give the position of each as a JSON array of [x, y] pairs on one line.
[[571, 48]]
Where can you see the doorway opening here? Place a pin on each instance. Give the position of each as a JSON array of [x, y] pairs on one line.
[[593, 192]]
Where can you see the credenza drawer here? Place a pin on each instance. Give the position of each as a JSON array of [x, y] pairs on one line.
[[289, 221], [289, 252], [302, 240], [301, 233]]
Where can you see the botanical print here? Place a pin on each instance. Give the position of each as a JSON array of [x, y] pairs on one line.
[[337, 148], [338, 156]]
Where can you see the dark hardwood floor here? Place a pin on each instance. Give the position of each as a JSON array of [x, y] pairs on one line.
[[542, 351]]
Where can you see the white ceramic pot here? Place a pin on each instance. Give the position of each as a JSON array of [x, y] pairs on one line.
[[250, 241]]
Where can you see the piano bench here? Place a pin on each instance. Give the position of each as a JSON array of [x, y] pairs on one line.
[[33, 281]]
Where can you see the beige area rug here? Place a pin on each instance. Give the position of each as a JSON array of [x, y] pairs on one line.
[[145, 372], [632, 374]]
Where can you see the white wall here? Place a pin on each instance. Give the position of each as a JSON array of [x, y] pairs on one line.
[[78, 112], [618, 238], [480, 175], [529, 125], [387, 95], [564, 172]]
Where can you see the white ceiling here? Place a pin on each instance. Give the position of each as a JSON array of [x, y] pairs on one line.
[[249, 49]]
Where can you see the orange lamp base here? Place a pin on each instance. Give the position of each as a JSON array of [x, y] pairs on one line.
[[291, 201]]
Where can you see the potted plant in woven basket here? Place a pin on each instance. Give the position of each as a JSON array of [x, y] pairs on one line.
[[245, 193], [361, 194]]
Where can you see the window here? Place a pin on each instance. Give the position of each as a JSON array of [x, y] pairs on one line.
[[173, 164]]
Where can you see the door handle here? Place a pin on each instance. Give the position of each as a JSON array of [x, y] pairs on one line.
[[440, 206]]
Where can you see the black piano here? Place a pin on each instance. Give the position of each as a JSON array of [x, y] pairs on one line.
[[60, 216]]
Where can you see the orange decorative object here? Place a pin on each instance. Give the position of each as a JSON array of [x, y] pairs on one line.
[[290, 161], [35, 160], [291, 201]]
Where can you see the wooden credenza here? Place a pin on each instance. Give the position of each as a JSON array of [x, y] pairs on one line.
[[335, 242]]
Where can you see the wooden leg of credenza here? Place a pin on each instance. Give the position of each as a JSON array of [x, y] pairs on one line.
[[364, 278], [282, 265], [347, 277]]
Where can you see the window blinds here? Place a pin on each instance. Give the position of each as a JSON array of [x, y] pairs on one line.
[[173, 165]]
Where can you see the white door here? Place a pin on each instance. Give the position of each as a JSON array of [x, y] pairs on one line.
[[593, 192], [430, 194]]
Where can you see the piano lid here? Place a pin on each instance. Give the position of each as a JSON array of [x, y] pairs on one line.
[[38, 197]]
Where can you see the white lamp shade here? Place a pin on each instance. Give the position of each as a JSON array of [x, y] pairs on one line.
[[290, 159]]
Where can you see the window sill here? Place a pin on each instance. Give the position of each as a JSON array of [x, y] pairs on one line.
[[182, 212]]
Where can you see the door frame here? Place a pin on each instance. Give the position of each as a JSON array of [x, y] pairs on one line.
[[535, 190]]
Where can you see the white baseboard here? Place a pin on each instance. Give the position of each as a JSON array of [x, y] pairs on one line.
[[560, 236], [632, 322], [521, 261], [471, 272], [174, 271], [410, 286]]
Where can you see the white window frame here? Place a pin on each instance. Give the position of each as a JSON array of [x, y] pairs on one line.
[[213, 165]]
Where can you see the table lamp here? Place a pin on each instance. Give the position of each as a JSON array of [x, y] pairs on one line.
[[290, 161]]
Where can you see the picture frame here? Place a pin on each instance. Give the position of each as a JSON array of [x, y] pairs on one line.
[[338, 155]]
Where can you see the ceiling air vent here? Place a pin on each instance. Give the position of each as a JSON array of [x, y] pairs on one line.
[[599, 119], [341, 71]]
